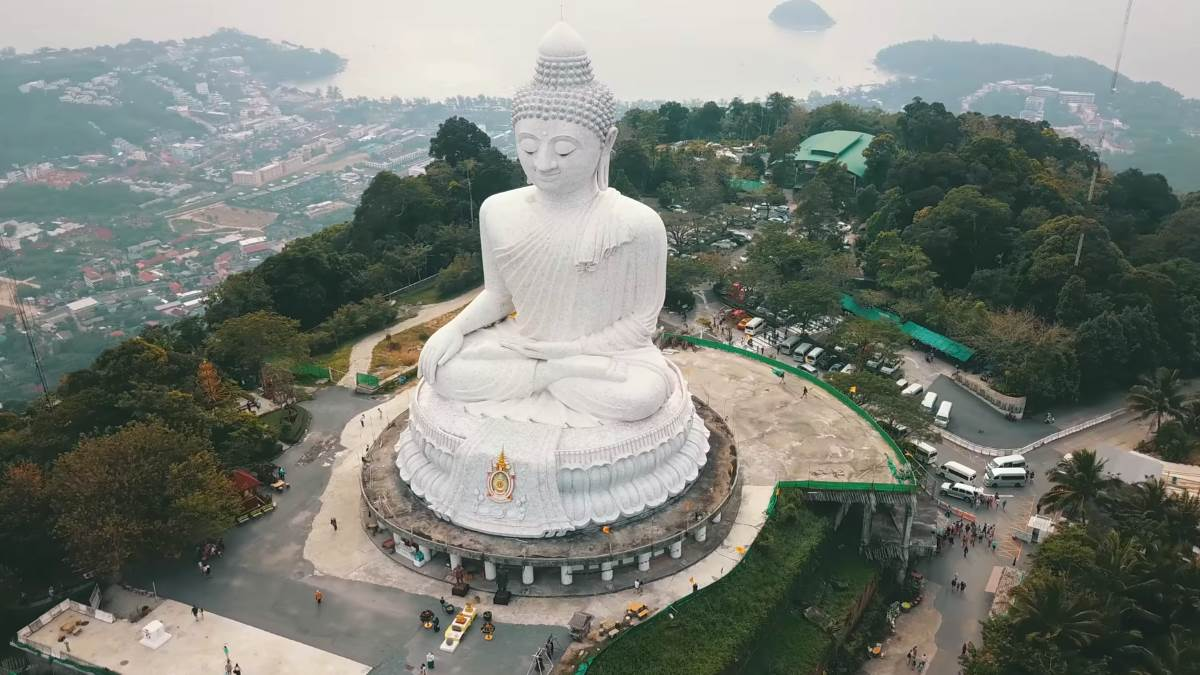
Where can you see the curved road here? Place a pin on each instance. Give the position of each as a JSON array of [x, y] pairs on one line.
[[264, 580]]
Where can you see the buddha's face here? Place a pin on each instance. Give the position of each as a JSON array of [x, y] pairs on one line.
[[560, 157]]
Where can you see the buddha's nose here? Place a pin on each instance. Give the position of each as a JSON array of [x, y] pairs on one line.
[[545, 162]]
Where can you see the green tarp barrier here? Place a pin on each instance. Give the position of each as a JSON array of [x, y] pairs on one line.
[[312, 370], [366, 380], [916, 331]]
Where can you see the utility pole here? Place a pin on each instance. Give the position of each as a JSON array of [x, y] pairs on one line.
[[23, 316], [1079, 249]]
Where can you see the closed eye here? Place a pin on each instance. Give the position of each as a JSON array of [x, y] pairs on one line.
[[529, 146], [564, 148]]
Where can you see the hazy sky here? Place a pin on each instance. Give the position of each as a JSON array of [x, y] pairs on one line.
[[643, 48]]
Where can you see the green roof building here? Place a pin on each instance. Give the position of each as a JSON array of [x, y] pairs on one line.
[[844, 146]]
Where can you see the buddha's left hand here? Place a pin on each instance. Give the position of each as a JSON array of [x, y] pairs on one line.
[[544, 350]]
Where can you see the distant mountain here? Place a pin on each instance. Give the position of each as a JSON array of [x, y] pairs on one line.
[[1164, 126], [801, 15]]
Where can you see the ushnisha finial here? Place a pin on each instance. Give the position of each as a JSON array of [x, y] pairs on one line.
[[563, 86]]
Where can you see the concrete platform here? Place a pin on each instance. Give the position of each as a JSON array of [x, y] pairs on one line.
[[782, 434], [194, 647], [589, 552]]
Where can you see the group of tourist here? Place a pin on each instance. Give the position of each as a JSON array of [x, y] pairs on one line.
[[970, 533]]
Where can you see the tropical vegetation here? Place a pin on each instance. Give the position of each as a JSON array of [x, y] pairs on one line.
[[1115, 590]]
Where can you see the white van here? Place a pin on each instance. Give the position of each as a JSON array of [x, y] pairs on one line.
[[957, 472], [967, 493], [943, 414], [912, 390], [1008, 462], [927, 404], [812, 356], [755, 326], [810, 369], [789, 344], [925, 453], [1005, 477], [800, 350]]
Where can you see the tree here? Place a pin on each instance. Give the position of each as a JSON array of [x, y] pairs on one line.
[[901, 268], [1147, 197], [457, 139], [1045, 609], [927, 127], [881, 397], [880, 154], [674, 118], [870, 340], [705, 121], [779, 109], [210, 390], [237, 295], [630, 158], [278, 385], [145, 490], [965, 232], [1049, 260], [26, 519], [817, 211], [1158, 396], [244, 344], [1078, 483]]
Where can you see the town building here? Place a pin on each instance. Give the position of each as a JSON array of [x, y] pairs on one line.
[[843, 146]]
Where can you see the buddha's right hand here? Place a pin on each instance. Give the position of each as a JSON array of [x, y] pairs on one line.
[[438, 349]]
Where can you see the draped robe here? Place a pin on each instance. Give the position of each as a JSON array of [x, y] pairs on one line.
[[593, 275]]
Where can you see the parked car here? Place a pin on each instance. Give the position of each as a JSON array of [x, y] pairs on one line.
[[741, 325], [836, 367]]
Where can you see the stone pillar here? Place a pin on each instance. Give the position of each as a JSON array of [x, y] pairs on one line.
[[841, 514], [910, 511], [527, 574], [426, 554], [717, 518], [489, 570], [643, 561], [567, 577], [677, 549], [701, 533], [868, 512], [606, 571], [455, 561]]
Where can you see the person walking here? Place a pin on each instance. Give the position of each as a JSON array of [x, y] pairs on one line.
[[201, 613], [318, 596], [1003, 504], [228, 667], [429, 661], [237, 669], [195, 613], [964, 549], [207, 570], [695, 586], [962, 587], [333, 522], [226, 648], [362, 421], [804, 394], [422, 670], [637, 586]]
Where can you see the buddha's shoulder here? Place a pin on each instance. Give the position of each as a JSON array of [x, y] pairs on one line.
[[506, 201], [640, 218]]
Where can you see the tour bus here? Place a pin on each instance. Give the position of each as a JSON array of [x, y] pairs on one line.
[[789, 344], [967, 493], [927, 404], [912, 389], [755, 326], [925, 453], [1008, 462], [815, 354], [955, 471], [943, 414], [1005, 477]]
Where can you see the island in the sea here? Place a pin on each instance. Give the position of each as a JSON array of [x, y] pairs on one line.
[[803, 15]]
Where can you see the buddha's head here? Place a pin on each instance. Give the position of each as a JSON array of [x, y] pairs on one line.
[[564, 120]]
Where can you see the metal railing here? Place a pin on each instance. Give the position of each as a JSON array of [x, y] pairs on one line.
[[1058, 435]]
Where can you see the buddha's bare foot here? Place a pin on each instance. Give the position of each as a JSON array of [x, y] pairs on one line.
[[584, 366]]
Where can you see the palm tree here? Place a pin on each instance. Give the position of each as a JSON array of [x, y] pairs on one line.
[[1043, 609], [1158, 396], [1078, 483]]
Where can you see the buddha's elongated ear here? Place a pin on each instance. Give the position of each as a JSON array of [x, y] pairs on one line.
[[610, 139]]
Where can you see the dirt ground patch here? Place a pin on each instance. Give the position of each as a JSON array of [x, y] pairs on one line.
[[222, 216], [401, 351]]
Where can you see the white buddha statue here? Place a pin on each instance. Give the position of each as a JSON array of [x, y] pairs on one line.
[[553, 362], [583, 266]]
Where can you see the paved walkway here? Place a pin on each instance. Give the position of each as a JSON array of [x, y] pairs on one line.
[[360, 355], [195, 646]]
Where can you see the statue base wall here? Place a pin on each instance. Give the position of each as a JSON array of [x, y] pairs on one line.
[[526, 479]]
